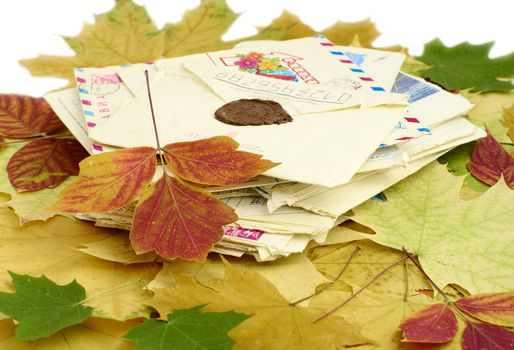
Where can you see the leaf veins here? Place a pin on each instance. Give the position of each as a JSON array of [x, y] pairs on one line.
[[25, 116], [177, 220], [109, 181], [44, 163], [490, 161], [214, 161]]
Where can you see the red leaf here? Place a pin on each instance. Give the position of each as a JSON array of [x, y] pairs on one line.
[[44, 163], [496, 308], [483, 336], [109, 181], [25, 116], [490, 160], [434, 324], [214, 161], [177, 220]]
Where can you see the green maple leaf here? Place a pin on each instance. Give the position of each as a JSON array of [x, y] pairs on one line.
[[187, 329], [467, 66], [470, 243], [42, 307], [457, 159]]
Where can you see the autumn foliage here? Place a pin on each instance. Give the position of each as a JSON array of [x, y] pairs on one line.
[[69, 270], [172, 218], [485, 316], [490, 161], [25, 116]]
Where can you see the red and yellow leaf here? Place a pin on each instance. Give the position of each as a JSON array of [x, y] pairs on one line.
[[44, 163], [26, 116], [496, 308], [490, 161], [434, 324], [483, 336], [177, 220], [214, 161], [108, 181]]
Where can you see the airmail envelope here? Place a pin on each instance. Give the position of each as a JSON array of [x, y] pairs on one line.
[[325, 147], [383, 66]]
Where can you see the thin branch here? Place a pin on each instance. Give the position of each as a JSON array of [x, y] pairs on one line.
[[355, 251], [420, 268], [451, 304], [331, 311]]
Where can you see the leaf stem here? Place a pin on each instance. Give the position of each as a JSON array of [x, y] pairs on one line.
[[344, 302], [151, 110], [420, 268], [147, 273], [447, 299], [159, 149], [355, 251], [108, 291]]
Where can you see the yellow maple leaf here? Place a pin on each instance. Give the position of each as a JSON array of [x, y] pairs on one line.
[[370, 260], [294, 277], [94, 333], [508, 121], [117, 248], [275, 324], [200, 29], [289, 26], [126, 34], [383, 305], [114, 290], [490, 110]]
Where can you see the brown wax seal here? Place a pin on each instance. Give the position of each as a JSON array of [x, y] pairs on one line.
[[252, 112]]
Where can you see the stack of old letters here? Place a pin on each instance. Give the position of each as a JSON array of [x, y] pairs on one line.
[[357, 125]]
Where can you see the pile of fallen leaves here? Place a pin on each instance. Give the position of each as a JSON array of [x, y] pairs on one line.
[[431, 267]]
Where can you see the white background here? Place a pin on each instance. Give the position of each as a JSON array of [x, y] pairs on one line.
[[31, 27]]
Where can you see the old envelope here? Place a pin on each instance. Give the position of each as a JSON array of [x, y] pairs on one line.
[[309, 148]]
